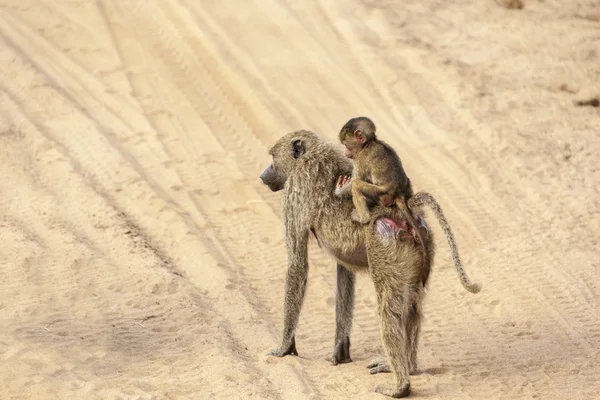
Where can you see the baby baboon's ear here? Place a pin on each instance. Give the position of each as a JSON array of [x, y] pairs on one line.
[[298, 147], [358, 134]]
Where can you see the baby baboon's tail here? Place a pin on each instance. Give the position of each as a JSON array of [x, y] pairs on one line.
[[425, 198]]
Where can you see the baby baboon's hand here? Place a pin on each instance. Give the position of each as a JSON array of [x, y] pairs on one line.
[[341, 183]]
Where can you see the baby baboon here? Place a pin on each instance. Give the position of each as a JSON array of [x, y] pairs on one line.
[[378, 175], [305, 167]]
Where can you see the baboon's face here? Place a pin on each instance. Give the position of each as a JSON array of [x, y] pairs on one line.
[[285, 155]]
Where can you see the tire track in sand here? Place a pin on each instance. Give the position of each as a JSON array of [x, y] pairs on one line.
[[73, 263]]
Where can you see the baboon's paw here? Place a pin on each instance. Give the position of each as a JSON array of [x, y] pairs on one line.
[[289, 349], [341, 352], [394, 391], [413, 368], [378, 366]]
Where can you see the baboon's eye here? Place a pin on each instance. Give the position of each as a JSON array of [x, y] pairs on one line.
[[298, 148]]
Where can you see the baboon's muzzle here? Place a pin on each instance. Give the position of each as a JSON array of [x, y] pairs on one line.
[[269, 178]]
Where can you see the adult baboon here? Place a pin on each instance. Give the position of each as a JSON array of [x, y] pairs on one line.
[[306, 168]]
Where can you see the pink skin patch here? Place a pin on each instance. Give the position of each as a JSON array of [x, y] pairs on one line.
[[396, 229]]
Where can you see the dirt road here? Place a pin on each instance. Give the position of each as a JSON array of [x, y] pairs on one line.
[[143, 258]]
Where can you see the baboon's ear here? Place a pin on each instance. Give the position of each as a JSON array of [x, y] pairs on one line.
[[298, 147]]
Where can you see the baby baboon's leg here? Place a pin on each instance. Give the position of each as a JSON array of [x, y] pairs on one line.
[[343, 314], [361, 209], [361, 191]]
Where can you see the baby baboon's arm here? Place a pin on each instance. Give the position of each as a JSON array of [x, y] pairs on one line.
[[295, 287]]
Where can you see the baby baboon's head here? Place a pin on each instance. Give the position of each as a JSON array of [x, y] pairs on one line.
[[356, 134]]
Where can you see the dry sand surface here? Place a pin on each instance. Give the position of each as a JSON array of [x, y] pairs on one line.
[[142, 258]]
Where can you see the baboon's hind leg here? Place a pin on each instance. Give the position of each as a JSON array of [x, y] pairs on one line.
[[395, 340], [396, 272], [413, 329]]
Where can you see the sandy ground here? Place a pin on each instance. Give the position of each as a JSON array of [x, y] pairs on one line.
[[143, 258]]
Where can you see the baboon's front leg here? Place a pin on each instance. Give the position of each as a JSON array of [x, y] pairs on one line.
[[295, 287], [343, 315]]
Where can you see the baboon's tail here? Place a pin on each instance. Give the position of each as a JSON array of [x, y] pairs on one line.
[[425, 198]]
